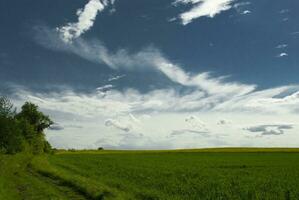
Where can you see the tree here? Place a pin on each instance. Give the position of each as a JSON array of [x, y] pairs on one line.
[[33, 124], [11, 137], [23, 131], [37, 119], [6, 108]]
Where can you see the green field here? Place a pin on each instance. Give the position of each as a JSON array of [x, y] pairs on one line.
[[182, 174]]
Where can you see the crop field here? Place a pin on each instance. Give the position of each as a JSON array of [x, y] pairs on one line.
[[185, 174]]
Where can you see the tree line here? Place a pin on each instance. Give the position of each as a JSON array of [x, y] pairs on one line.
[[24, 130]]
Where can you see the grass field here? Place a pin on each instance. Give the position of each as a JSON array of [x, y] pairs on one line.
[[182, 174]]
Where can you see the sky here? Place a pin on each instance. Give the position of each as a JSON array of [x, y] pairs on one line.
[[151, 74]]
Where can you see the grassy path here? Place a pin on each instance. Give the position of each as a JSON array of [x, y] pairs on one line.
[[19, 181], [62, 191]]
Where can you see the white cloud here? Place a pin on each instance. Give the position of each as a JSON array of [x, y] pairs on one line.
[[116, 103], [117, 124], [203, 8], [285, 19], [159, 114], [105, 88], [184, 132], [56, 127], [281, 46], [208, 93], [241, 4], [283, 54], [114, 78], [172, 19], [240, 7], [150, 58], [134, 119], [245, 12], [86, 18], [270, 129], [284, 11], [196, 124]]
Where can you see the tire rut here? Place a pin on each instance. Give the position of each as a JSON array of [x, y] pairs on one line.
[[67, 191]]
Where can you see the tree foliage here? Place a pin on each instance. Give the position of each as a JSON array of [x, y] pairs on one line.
[[33, 116], [23, 131], [6, 108]]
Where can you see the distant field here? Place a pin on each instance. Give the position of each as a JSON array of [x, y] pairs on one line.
[[182, 174]]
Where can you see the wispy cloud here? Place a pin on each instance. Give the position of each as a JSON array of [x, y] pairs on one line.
[[121, 112], [105, 87], [203, 8], [117, 124], [283, 54], [114, 78], [208, 92], [86, 18], [281, 46], [183, 132], [284, 11], [150, 58], [117, 103], [241, 4], [196, 124], [241, 7], [246, 12], [270, 129], [56, 127]]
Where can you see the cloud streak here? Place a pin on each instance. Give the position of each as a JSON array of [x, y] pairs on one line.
[[283, 54], [147, 58], [184, 132], [115, 78], [118, 125], [270, 129], [86, 18], [206, 92], [203, 8]]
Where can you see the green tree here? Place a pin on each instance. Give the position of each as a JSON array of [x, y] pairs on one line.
[[6, 108], [22, 131], [37, 119], [11, 137], [33, 123]]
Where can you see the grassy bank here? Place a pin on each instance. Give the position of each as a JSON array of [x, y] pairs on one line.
[[181, 174]]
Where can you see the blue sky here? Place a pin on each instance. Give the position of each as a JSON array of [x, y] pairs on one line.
[[144, 74]]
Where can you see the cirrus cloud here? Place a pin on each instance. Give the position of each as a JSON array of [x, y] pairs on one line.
[[203, 8], [86, 18], [270, 129]]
